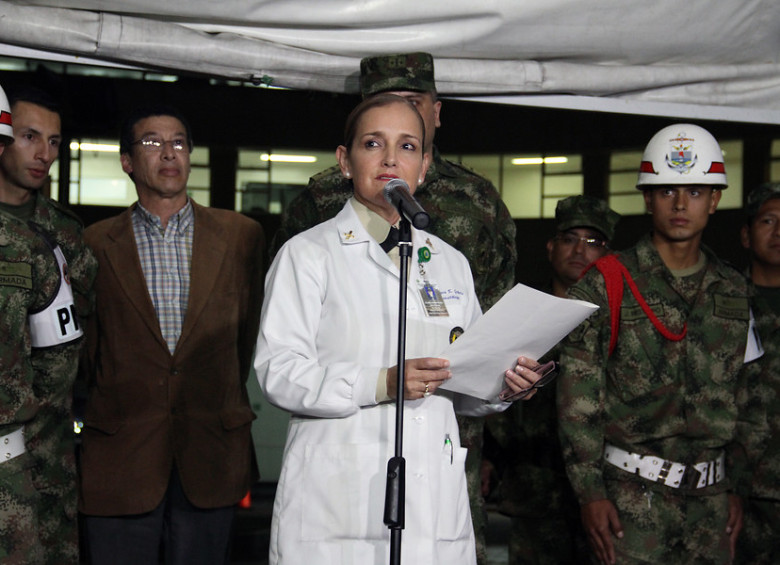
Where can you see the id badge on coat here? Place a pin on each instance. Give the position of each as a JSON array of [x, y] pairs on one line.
[[432, 300], [431, 297]]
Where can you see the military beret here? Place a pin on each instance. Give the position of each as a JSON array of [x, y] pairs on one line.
[[404, 71], [759, 195], [586, 212]]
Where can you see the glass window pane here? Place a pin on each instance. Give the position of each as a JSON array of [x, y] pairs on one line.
[[267, 180], [774, 171], [775, 151], [199, 178], [548, 207], [200, 156], [732, 153], [488, 166], [54, 180], [628, 204], [107, 192], [625, 161], [522, 188], [623, 183], [243, 177], [557, 164], [250, 158], [561, 186], [202, 197], [98, 174]]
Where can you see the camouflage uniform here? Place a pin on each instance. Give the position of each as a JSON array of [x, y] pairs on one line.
[[683, 401], [49, 436], [467, 212], [758, 543], [28, 277], [534, 490]]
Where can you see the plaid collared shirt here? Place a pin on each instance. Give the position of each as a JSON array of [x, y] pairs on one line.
[[165, 260]]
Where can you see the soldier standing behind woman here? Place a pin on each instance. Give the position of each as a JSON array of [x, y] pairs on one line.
[[521, 446]]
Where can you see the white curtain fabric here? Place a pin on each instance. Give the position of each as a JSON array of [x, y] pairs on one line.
[[701, 58]]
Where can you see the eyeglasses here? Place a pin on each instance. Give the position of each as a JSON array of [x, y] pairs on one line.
[[547, 372], [153, 144], [571, 240]]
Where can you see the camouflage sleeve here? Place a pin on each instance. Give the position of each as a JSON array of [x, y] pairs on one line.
[[494, 275], [752, 428], [580, 393], [83, 269]]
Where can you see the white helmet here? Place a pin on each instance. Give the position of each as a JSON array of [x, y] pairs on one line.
[[6, 130], [682, 154]]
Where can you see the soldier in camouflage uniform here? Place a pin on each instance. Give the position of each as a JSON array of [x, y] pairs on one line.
[[24, 286], [658, 401], [522, 442], [24, 169], [758, 544], [465, 209]]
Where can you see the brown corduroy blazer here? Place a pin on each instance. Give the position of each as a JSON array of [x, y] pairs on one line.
[[148, 409]]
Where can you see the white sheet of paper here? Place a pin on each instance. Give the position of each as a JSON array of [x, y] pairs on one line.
[[524, 322]]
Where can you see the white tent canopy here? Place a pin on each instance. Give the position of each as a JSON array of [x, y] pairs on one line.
[[696, 59]]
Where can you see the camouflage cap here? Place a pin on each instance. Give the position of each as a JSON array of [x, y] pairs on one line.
[[404, 71], [759, 195], [586, 212]]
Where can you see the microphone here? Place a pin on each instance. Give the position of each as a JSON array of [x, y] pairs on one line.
[[397, 193]]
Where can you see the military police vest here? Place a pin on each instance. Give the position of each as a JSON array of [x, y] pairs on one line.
[[57, 322]]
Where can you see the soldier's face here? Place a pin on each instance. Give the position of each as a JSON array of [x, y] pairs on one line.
[[387, 145], [762, 237], [26, 162], [680, 213], [429, 110], [569, 253]]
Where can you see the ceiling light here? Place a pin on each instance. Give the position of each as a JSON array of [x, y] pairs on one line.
[[540, 160], [104, 147], [279, 158]]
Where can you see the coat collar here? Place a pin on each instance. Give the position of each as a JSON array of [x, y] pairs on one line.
[[716, 272], [352, 232], [122, 256], [209, 255]]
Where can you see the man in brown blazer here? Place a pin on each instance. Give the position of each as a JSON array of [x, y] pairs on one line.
[[166, 449]]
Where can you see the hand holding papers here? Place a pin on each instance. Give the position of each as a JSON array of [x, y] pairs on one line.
[[524, 322]]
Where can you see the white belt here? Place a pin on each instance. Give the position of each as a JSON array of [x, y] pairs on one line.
[[669, 473], [12, 445]]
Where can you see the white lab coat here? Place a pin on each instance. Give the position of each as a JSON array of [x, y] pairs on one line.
[[329, 324]]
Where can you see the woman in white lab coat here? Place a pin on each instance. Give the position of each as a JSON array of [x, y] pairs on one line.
[[326, 352]]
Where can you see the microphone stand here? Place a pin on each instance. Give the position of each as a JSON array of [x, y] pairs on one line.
[[395, 487]]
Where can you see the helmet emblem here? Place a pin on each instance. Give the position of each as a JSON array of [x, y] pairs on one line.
[[681, 157]]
